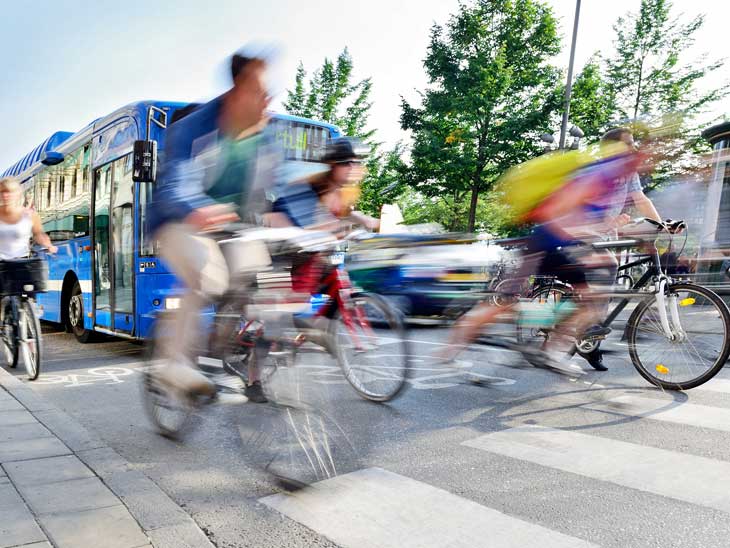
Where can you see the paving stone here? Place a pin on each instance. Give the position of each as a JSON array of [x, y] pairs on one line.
[[47, 470], [179, 536], [111, 527], [69, 430], [37, 545], [28, 431], [9, 497], [11, 418], [17, 527], [30, 400], [68, 496], [31, 449], [149, 505], [103, 461]]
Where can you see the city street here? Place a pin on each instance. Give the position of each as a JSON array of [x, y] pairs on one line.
[[526, 458]]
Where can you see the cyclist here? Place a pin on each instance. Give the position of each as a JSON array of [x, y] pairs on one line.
[[575, 213], [217, 159], [18, 225], [325, 201]]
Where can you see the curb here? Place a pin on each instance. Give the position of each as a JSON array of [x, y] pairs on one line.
[[165, 523]]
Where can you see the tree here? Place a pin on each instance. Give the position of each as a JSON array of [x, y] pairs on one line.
[[648, 80], [331, 96], [490, 95], [645, 73], [592, 102]]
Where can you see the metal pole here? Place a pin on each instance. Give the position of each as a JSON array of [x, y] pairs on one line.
[[569, 83]]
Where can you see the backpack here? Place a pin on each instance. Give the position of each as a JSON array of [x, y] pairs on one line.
[[524, 187]]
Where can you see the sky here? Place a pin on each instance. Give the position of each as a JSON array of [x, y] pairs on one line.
[[67, 62]]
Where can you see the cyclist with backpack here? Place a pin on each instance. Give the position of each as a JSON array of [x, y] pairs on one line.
[[569, 205]]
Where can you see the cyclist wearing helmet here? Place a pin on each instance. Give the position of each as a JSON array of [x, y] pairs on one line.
[[325, 201]]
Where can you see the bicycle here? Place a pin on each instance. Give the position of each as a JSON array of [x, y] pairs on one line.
[[20, 328], [678, 334], [253, 326]]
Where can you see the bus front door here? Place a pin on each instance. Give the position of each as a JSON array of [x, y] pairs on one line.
[[114, 246]]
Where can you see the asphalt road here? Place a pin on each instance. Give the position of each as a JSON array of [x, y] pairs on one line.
[[528, 458]]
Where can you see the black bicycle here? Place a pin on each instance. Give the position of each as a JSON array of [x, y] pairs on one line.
[[20, 329], [678, 333]]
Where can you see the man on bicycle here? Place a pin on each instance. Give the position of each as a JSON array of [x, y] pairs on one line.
[[217, 159]]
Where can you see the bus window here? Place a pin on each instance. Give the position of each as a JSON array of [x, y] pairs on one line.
[[147, 244]]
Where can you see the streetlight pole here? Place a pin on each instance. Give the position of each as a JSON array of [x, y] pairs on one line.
[[569, 83]]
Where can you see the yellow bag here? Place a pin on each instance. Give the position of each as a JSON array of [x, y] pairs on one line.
[[524, 187]]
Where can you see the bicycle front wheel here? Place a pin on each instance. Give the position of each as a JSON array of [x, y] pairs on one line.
[[30, 337], [10, 338], [700, 344], [371, 347]]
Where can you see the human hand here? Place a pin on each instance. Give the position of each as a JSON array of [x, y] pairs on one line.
[[207, 217], [622, 220], [52, 249]]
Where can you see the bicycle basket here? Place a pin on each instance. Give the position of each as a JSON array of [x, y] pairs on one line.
[[18, 276]]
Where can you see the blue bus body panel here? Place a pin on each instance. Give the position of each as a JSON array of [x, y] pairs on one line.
[[73, 259]]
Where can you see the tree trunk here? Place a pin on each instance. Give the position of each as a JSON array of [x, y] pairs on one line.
[[473, 208]]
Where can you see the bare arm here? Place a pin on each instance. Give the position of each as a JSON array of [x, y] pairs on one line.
[[40, 237], [645, 206]]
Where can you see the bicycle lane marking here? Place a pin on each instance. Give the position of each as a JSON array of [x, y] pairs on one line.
[[95, 375]]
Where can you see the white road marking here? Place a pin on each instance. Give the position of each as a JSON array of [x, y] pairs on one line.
[[377, 508], [716, 385], [690, 414], [698, 480], [97, 375]]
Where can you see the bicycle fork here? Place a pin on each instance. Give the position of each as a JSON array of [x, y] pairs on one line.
[[670, 323]]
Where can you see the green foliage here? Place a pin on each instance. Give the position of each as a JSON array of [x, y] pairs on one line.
[[646, 74], [331, 96], [648, 79], [592, 103], [451, 213], [490, 95], [384, 182]]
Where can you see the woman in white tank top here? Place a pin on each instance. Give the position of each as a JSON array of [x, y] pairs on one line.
[[18, 224]]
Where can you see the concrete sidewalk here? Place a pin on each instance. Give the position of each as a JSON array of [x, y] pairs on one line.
[[62, 486]]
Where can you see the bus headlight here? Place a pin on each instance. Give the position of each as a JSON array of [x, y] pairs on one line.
[[172, 303]]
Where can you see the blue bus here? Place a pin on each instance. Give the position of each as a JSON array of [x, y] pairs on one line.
[[90, 189]]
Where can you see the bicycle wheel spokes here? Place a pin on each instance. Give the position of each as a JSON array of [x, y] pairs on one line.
[[698, 347], [371, 348]]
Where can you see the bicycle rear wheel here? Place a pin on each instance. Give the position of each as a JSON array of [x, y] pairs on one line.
[[30, 339], [10, 346], [371, 347], [700, 350]]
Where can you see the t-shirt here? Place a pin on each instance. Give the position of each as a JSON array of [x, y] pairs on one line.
[[238, 158]]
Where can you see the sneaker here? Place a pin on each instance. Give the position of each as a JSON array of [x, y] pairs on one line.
[[560, 363], [255, 393], [186, 378]]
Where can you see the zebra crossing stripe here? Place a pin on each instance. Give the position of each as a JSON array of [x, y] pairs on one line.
[[716, 385], [698, 480], [690, 414], [377, 508]]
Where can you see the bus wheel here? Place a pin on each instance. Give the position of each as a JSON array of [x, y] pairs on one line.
[[76, 315]]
